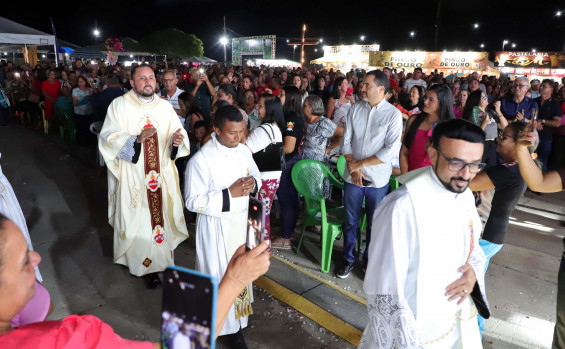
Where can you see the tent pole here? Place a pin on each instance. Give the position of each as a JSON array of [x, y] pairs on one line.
[[56, 55]]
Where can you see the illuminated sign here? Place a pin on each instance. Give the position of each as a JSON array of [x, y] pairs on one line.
[[429, 60], [530, 59]]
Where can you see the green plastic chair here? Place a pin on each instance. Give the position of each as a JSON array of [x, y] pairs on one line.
[[69, 129], [308, 178]]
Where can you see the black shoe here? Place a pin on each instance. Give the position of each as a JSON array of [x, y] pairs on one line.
[[236, 340], [344, 270], [152, 280]]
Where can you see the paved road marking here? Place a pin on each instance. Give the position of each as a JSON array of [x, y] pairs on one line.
[[320, 316], [322, 280]]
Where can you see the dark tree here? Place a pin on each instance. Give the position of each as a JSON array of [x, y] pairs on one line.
[[173, 43]]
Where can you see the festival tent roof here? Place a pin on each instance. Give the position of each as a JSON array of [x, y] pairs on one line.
[[15, 33], [199, 60]]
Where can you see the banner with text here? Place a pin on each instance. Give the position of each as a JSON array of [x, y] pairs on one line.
[[429, 60], [515, 59]]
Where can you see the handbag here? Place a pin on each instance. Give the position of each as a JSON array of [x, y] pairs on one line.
[[272, 157]]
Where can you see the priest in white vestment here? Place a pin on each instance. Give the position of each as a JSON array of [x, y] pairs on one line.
[[140, 140], [219, 179], [425, 259]]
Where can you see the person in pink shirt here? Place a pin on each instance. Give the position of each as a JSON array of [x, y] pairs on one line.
[[18, 288]]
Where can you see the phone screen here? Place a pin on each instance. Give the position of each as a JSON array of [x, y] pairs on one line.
[[189, 306], [255, 224]]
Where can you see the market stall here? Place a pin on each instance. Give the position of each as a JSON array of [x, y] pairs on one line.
[[455, 62], [535, 65], [346, 57]]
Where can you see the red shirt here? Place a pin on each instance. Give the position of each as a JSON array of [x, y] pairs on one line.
[[393, 84], [76, 332]]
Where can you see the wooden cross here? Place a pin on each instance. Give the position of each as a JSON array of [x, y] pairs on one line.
[[303, 43]]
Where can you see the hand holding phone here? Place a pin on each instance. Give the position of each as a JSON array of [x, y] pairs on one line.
[[255, 224]]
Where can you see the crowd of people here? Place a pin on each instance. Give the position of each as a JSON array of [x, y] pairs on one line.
[[205, 138]]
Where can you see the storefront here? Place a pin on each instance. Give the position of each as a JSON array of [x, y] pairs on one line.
[[535, 65], [346, 57], [460, 63]]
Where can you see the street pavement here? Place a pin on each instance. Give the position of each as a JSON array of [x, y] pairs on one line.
[[64, 197]]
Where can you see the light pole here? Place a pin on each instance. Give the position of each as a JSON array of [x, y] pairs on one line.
[[293, 52], [224, 41], [504, 42]]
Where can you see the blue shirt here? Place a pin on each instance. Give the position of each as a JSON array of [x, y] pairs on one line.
[[510, 108]]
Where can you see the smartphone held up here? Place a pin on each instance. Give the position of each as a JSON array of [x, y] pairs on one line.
[[255, 224], [188, 324]]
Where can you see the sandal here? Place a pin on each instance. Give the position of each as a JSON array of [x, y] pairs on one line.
[[281, 244]]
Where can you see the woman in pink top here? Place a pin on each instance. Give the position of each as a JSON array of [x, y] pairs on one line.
[[458, 107], [18, 288], [437, 107]]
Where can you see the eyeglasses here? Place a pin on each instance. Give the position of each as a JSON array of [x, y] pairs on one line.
[[504, 136], [249, 96], [456, 165], [521, 86]]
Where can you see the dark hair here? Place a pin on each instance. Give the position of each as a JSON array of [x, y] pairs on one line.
[[86, 81], [420, 104], [336, 94], [292, 100], [445, 99], [190, 103], [229, 89], [380, 78], [317, 79], [227, 113], [472, 101], [200, 123], [113, 79], [135, 67], [393, 96], [457, 129], [273, 110], [418, 68]]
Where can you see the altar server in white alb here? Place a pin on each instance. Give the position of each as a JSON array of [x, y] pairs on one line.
[[425, 259], [219, 179], [140, 140]]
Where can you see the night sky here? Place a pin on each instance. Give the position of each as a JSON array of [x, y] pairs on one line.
[[386, 23]]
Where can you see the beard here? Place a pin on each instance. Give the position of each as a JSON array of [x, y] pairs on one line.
[[146, 91], [452, 186]]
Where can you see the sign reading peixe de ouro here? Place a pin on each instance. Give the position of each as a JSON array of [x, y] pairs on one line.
[[429, 60], [516, 59]]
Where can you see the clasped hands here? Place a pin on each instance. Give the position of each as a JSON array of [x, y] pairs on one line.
[[150, 131], [354, 168], [242, 187]]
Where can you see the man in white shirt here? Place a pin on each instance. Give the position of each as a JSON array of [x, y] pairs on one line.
[[416, 80], [371, 141], [425, 259], [172, 92]]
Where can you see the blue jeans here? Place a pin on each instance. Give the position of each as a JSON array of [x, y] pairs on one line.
[[543, 150], [353, 201], [288, 200], [490, 250]]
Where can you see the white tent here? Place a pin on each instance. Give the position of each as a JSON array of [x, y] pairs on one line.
[[18, 34]]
